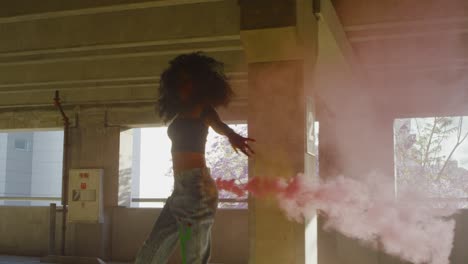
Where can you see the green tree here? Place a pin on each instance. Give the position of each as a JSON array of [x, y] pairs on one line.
[[226, 164], [421, 157]]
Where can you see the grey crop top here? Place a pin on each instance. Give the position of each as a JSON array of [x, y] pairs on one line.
[[188, 135]]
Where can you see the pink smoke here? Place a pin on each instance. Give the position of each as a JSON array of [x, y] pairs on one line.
[[408, 227]]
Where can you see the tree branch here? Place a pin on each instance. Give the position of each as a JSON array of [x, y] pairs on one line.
[[428, 147], [460, 140]]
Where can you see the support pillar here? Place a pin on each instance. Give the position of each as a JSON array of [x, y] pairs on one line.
[[93, 144], [276, 56]]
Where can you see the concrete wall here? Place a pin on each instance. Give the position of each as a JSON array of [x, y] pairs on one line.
[[24, 231], [230, 234]]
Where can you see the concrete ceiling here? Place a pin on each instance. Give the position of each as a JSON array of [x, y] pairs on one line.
[[411, 51], [112, 51], [109, 51]]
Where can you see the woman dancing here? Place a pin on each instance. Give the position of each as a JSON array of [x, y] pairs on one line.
[[190, 90]]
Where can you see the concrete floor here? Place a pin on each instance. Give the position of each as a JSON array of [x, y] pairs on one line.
[[30, 260]]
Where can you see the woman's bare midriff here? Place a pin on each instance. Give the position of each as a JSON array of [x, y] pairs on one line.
[[187, 160]]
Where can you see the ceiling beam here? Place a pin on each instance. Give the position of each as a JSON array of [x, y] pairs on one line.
[[329, 18], [100, 10], [406, 35], [406, 24], [137, 44], [233, 77], [120, 55]]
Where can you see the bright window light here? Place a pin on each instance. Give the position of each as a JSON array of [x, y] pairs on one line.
[[431, 154], [152, 176]]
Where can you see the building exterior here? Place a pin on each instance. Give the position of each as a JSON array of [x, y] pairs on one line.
[[31, 166]]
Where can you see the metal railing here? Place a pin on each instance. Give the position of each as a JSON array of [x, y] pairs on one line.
[[135, 200], [29, 198], [162, 200]]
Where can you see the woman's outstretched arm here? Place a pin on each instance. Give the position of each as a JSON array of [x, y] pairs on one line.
[[237, 141]]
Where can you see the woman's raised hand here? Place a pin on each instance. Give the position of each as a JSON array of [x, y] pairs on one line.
[[239, 142]]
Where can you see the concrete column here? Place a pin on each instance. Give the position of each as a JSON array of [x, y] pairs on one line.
[[276, 58], [95, 145], [329, 166]]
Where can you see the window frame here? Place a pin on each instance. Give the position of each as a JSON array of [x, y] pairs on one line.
[[23, 198]]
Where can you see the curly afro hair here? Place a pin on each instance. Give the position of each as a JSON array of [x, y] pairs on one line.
[[210, 85]]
